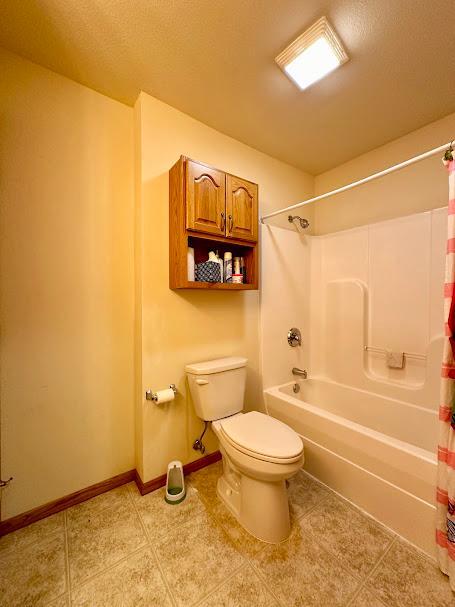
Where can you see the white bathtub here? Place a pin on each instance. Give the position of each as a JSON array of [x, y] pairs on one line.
[[376, 451]]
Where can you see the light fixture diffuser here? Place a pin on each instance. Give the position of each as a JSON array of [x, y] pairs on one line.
[[313, 55]]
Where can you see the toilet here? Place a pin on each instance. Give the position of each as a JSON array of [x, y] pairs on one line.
[[259, 452]]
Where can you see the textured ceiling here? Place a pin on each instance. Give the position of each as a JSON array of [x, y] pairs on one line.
[[214, 60]]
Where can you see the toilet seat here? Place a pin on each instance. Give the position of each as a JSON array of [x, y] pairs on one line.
[[262, 437]]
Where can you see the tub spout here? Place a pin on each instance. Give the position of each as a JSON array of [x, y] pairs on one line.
[[300, 372]]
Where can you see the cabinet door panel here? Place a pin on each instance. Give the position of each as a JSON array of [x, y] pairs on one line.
[[205, 199], [241, 209]]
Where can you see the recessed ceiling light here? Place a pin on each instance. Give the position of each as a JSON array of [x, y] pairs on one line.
[[313, 55]]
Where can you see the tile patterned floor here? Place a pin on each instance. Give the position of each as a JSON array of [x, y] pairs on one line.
[[124, 550]]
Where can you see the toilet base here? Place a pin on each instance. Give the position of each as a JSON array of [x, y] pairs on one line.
[[261, 507]]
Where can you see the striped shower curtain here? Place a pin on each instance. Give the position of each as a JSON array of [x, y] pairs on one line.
[[445, 496]]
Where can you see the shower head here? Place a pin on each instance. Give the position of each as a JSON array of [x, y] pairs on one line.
[[304, 223]]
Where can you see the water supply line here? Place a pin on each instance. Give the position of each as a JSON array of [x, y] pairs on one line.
[[198, 445]]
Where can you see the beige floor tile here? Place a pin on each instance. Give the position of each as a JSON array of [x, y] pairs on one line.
[[32, 533], [161, 518], [100, 538], [196, 558], [62, 601], [302, 573], [135, 581], [304, 493], [355, 539], [110, 499], [202, 550], [366, 599], [205, 481], [34, 575], [407, 579], [245, 543], [244, 589]]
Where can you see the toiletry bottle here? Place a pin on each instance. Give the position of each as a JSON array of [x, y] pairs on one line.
[[190, 264], [220, 261], [236, 276], [236, 265], [243, 269], [228, 267]]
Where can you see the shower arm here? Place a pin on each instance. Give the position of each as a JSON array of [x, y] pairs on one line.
[[304, 223]]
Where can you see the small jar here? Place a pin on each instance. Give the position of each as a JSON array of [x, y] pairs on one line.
[[237, 265]]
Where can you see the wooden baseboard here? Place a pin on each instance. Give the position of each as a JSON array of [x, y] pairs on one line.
[[36, 514], [160, 481]]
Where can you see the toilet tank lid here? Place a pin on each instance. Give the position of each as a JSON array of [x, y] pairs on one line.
[[217, 365]]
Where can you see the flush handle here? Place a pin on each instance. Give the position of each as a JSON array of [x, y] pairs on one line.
[[202, 382]]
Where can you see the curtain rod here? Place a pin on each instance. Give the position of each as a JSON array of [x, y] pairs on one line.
[[344, 188]]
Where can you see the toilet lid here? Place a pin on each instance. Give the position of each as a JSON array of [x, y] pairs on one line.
[[263, 435]]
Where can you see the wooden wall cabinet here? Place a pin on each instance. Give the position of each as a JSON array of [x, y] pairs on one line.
[[241, 209], [205, 199], [219, 203], [210, 210]]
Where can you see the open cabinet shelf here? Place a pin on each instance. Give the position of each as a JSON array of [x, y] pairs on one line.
[[217, 286], [194, 208]]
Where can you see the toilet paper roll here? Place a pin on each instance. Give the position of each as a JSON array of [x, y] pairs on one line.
[[164, 396]]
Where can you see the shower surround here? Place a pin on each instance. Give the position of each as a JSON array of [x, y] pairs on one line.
[[370, 431]]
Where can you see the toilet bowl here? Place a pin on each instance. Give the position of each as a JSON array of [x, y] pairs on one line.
[[255, 470], [259, 453]]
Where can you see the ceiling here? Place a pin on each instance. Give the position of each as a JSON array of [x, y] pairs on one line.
[[214, 60]]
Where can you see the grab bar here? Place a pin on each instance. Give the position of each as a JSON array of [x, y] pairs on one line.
[[407, 354]]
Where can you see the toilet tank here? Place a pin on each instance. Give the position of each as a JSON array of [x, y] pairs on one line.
[[217, 386]]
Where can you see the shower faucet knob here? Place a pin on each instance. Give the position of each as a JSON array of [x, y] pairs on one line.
[[294, 337]]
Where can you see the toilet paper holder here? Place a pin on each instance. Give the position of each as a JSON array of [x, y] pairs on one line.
[[153, 396]]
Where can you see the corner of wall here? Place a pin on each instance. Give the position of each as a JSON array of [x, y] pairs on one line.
[[138, 289]]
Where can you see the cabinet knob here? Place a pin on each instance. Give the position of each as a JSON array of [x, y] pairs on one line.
[[223, 222], [231, 224]]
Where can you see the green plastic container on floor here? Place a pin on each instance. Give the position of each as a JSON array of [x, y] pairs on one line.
[[175, 483]]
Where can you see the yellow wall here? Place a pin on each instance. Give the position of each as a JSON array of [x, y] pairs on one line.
[[421, 187], [74, 315], [66, 192], [70, 306], [179, 327]]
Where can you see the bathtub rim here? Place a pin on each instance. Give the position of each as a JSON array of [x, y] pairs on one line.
[[423, 454]]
